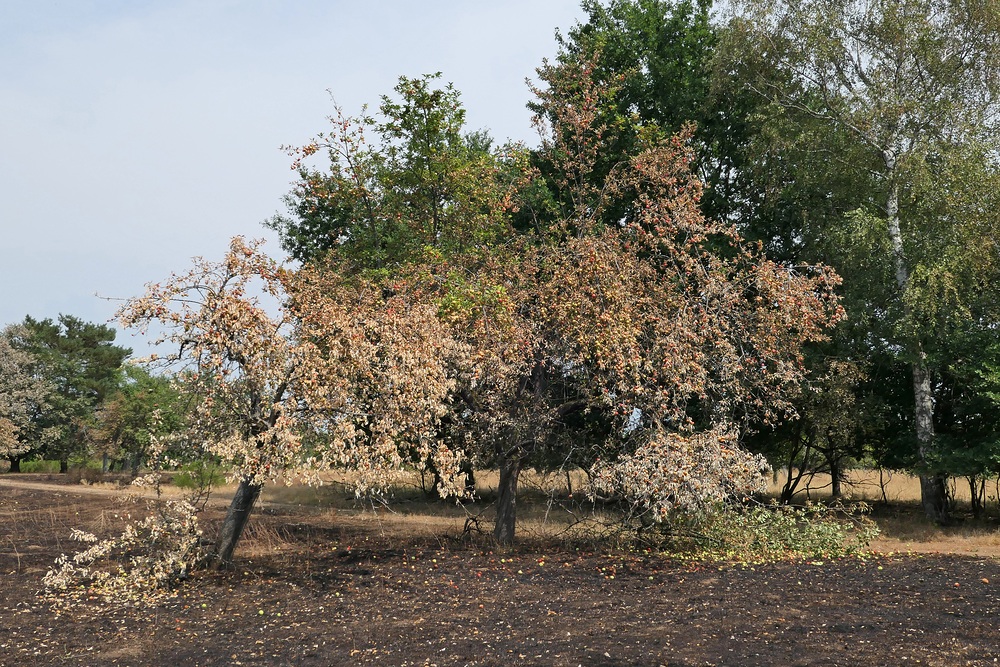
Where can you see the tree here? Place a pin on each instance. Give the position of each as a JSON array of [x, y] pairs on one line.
[[574, 321], [410, 198], [683, 333], [23, 395], [829, 432], [396, 185], [648, 344], [906, 92], [143, 407], [337, 373], [83, 366]]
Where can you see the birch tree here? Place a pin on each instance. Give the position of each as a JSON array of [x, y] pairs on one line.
[[915, 84]]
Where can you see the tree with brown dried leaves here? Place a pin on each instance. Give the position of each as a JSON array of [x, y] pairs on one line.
[[271, 371]]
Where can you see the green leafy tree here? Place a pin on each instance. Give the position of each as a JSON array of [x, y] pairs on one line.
[[83, 366], [901, 96], [397, 185], [143, 407]]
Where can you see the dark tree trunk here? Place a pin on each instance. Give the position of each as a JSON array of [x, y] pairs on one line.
[[136, 460], [104, 463], [976, 492], [235, 521], [836, 474], [934, 497], [64, 464], [503, 531], [15, 464]]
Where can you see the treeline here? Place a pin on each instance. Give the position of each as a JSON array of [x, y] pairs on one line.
[[860, 134], [766, 234], [68, 395]]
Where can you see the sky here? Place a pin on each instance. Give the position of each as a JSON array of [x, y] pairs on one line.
[[135, 135]]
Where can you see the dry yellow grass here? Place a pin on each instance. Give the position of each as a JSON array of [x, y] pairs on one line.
[[541, 513], [541, 516], [868, 485]]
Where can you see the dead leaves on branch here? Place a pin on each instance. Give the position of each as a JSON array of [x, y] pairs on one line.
[[329, 373]]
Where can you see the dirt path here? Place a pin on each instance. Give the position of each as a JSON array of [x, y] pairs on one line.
[[220, 498], [82, 489]]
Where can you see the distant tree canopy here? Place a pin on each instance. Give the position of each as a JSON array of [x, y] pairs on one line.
[[23, 396], [857, 133], [82, 367], [143, 406], [396, 184], [900, 100]]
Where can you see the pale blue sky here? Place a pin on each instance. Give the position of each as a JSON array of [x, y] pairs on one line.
[[135, 135]]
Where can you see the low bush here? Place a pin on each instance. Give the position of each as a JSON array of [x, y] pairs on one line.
[[757, 532], [84, 475], [40, 466], [199, 475]]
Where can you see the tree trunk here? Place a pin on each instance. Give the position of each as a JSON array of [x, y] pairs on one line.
[[470, 477], [503, 531], [235, 521], [933, 488], [15, 464], [64, 464], [104, 462], [975, 496], [836, 474]]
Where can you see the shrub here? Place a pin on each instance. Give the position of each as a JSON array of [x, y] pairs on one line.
[[39, 466], [84, 475], [762, 533], [199, 475]]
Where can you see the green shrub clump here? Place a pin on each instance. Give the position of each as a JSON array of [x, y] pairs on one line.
[[40, 466], [199, 475], [757, 533]]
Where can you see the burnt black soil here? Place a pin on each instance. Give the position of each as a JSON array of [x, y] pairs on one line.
[[336, 593]]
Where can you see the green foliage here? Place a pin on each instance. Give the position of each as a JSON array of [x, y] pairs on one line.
[[398, 186], [878, 151], [40, 466], [143, 407], [660, 57], [756, 533], [83, 366], [199, 474]]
